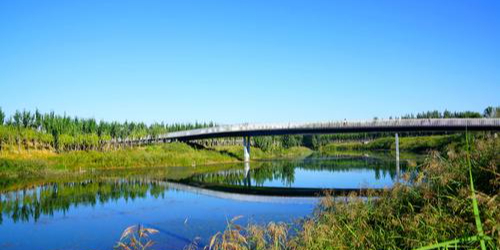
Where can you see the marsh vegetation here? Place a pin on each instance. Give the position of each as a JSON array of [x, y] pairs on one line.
[[436, 207], [51, 164]]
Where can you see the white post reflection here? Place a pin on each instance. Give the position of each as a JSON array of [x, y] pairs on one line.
[[248, 180]]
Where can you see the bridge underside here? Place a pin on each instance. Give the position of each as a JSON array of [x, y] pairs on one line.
[[395, 126], [326, 131]]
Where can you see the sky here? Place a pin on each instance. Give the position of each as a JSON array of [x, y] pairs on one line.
[[248, 61]]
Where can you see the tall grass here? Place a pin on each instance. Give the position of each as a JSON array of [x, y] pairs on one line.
[[437, 203], [479, 237], [136, 237], [235, 237], [173, 154], [35, 163]]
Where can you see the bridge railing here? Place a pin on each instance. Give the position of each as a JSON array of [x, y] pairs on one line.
[[397, 123]]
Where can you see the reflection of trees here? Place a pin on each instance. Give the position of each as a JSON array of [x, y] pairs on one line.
[[270, 171], [284, 171], [265, 171], [47, 199], [381, 167], [231, 177]]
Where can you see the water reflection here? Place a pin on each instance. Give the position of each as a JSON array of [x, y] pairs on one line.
[[29, 204], [332, 172], [90, 211], [92, 214], [306, 177]]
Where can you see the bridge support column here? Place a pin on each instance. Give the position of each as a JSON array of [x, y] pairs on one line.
[[397, 147], [246, 148], [397, 157]]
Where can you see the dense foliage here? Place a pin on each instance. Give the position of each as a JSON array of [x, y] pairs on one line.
[[63, 133], [489, 112], [436, 207], [34, 130]]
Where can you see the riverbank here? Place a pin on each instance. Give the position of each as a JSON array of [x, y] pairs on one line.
[[39, 163], [436, 208], [419, 145], [259, 154]]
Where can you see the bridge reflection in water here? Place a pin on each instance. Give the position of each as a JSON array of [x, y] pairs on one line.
[[297, 182], [308, 177]]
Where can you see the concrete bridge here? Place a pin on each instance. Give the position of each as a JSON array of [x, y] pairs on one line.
[[397, 125]]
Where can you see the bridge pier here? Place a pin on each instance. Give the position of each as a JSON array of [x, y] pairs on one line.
[[246, 148], [397, 157], [397, 147]]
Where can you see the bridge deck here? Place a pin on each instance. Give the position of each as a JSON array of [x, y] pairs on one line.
[[336, 127]]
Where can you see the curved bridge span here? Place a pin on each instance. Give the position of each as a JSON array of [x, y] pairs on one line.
[[248, 130], [245, 130]]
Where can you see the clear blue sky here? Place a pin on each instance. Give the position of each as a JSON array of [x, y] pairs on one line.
[[248, 61]]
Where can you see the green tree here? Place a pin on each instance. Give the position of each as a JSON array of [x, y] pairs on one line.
[[492, 112], [2, 116], [38, 120], [263, 142], [289, 141], [17, 121], [26, 119]]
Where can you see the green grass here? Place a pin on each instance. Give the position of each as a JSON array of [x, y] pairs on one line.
[[452, 201], [28, 166], [172, 154], [420, 144], [259, 154], [32, 164]]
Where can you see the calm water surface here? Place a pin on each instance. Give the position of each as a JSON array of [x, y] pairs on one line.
[[91, 212]]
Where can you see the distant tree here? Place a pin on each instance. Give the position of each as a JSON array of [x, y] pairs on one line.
[[316, 142], [17, 122], [38, 120], [27, 119], [492, 112], [2, 116], [263, 142], [17, 119], [311, 141], [447, 114], [289, 141], [488, 112], [155, 130]]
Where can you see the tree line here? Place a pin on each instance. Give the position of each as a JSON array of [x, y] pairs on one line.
[[489, 112], [26, 129], [63, 133]]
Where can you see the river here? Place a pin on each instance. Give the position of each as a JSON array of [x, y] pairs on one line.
[[183, 203]]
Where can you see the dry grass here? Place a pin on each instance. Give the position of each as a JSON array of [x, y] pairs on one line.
[[26, 154], [436, 210], [235, 237], [433, 208], [136, 237]]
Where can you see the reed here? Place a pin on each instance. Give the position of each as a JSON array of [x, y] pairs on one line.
[[136, 237], [479, 237], [437, 207], [236, 237], [449, 202]]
